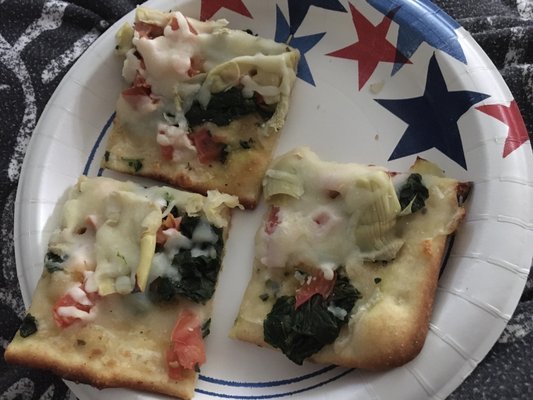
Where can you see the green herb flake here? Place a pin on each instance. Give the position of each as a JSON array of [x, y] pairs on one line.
[[28, 326], [206, 328], [247, 144], [264, 296], [106, 156], [135, 163], [54, 262], [122, 257], [377, 280]]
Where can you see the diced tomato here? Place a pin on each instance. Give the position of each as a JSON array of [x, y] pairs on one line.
[[192, 28], [150, 31], [322, 218], [174, 24], [316, 285], [67, 301], [196, 66], [169, 223], [138, 92], [272, 220], [187, 349], [208, 147], [167, 152]]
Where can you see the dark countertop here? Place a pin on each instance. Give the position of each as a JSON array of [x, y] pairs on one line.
[[40, 40]]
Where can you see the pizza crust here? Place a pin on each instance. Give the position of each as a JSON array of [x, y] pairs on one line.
[[151, 133], [124, 338], [240, 175], [388, 325], [116, 354]]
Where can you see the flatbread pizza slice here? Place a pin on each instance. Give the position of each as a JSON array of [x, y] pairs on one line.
[[126, 292], [205, 103], [347, 260]]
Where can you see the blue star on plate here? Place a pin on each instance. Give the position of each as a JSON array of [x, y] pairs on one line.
[[422, 21], [298, 10], [302, 43], [432, 118]]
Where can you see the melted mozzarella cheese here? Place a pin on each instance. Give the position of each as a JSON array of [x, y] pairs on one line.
[[319, 228], [257, 64], [108, 232]]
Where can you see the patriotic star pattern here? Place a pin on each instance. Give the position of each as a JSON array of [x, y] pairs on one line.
[[510, 116], [372, 46], [432, 117], [421, 21], [210, 7]]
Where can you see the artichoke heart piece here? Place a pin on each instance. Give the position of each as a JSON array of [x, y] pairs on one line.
[[125, 243], [123, 39], [278, 182], [375, 233]]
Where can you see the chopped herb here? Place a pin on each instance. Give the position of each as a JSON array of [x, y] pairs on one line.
[[197, 368], [377, 280], [250, 32], [264, 296], [122, 258], [28, 326], [224, 153], [53, 262], [168, 197], [206, 328], [247, 144], [135, 163], [106, 156], [413, 192], [272, 286], [81, 342], [300, 333]]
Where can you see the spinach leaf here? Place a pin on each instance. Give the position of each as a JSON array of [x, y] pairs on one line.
[[28, 326], [197, 275], [225, 106], [413, 190], [188, 224], [300, 333], [53, 262]]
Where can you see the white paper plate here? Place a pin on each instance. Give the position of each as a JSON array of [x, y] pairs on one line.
[[345, 109]]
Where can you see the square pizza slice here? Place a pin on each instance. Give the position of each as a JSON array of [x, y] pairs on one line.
[[347, 260], [126, 292], [204, 106]]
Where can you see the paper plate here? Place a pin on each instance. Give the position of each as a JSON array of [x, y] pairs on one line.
[[379, 82]]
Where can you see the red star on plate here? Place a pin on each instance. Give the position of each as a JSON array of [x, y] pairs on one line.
[[510, 116], [210, 7], [372, 46]]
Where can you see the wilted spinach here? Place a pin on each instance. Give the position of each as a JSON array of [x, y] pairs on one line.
[[413, 190], [300, 333], [225, 106], [28, 326]]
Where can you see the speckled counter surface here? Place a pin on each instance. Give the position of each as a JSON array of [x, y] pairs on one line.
[[40, 40]]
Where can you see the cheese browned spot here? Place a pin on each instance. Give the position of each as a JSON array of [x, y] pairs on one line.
[[198, 91], [391, 255], [100, 314]]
